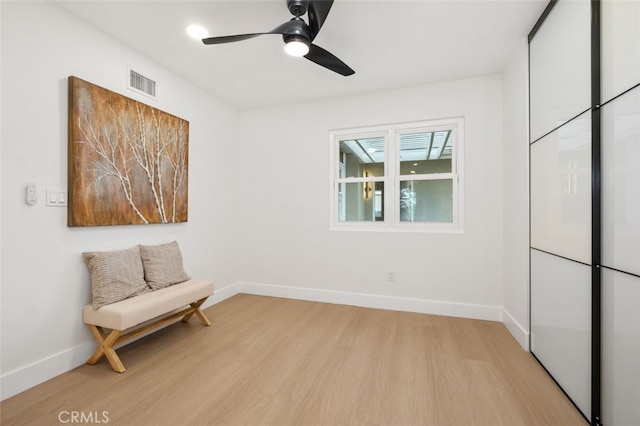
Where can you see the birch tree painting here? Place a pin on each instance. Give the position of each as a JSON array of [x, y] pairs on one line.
[[128, 162]]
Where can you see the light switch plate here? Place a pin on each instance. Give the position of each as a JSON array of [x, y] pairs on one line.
[[56, 197]]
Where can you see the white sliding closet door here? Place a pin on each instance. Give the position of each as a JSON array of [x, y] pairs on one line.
[[560, 197], [585, 203], [620, 113]]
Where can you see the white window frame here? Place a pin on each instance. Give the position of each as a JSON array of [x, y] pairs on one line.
[[392, 178]]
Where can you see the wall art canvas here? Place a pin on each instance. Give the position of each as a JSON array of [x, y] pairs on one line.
[[128, 161]]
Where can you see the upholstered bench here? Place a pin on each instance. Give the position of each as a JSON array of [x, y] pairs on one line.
[[159, 307], [136, 290]]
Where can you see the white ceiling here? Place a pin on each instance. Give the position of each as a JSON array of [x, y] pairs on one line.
[[389, 43]]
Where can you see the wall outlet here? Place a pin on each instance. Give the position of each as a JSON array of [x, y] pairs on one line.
[[391, 277]]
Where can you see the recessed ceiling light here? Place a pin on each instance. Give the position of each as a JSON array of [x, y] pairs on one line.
[[197, 32], [371, 150]]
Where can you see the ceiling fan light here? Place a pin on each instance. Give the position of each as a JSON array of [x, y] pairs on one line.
[[297, 46]]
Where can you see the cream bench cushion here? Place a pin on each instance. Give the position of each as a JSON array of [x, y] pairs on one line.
[[136, 310]]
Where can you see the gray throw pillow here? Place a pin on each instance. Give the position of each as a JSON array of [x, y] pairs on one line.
[[115, 275], [163, 265]]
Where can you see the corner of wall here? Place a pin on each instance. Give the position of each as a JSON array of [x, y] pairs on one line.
[[515, 272], [517, 331]]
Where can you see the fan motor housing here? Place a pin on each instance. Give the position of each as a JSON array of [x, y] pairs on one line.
[[297, 7], [301, 30]]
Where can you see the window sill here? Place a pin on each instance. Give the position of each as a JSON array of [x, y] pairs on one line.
[[409, 228]]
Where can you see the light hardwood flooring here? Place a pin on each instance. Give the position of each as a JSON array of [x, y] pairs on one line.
[[270, 361]]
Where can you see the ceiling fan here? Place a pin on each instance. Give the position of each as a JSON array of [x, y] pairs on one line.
[[298, 35]]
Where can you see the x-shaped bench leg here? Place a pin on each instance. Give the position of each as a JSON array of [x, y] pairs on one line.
[[105, 347], [107, 341], [196, 310]]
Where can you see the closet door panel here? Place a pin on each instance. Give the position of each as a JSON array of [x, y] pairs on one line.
[[561, 323], [620, 348], [560, 67], [561, 191], [620, 47], [621, 183]]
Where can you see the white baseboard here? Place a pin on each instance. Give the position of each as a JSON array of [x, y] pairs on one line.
[[517, 331], [28, 376], [33, 374], [424, 306]]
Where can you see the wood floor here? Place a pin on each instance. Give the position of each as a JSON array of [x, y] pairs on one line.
[[269, 361]]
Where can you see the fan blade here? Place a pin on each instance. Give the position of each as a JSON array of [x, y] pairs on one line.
[[317, 12], [230, 39], [288, 28], [325, 59]]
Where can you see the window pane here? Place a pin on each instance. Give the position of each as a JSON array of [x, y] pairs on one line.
[[426, 201], [361, 202], [362, 157], [426, 152]]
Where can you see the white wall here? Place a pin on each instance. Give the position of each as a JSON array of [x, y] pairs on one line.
[[44, 281], [259, 196], [515, 178], [287, 248]]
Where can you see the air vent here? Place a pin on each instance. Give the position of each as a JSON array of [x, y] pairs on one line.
[[141, 83]]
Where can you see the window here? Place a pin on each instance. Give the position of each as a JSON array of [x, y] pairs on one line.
[[398, 177]]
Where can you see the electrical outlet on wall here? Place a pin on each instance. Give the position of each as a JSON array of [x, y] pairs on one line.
[[391, 277]]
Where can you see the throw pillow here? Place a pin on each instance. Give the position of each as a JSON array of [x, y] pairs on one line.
[[163, 265], [115, 275]]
